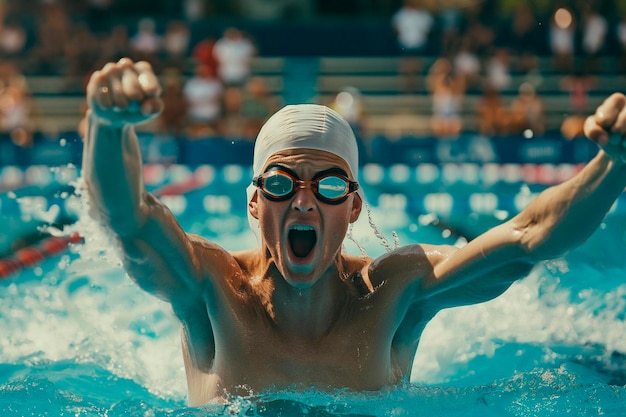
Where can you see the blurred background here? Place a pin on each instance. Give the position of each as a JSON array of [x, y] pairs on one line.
[[420, 81], [398, 70]]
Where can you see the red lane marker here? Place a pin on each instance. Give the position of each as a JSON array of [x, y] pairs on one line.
[[178, 188], [32, 255]]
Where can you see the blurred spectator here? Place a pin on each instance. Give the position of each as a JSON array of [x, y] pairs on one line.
[[349, 104], [114, 46], [276, 10], [173, 118], [15, 105], [53, 33], [466, 62], [146, 43], [450, 29], [447, 91], [578, 86], [594, 30], [524, 37], [13, 42], [492, 115], [203, 93], [572, 126], [195, 10], [234, 52], [527, 112], [561, 39], [412, 25], [175, 45], [497, 69], [232, 122], [257, 106], [99, 15], [202, 53], [482, 34], [81, 56]]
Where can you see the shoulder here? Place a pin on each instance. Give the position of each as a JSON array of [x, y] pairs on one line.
[[213, 259], [408, 265], [250, 261]]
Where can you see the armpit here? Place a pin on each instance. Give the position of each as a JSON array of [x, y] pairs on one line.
[[361, 286]]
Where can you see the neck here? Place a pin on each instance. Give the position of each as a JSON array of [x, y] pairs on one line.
[[309, 312]]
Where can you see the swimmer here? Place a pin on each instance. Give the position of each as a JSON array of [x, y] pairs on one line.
[[296, 312]]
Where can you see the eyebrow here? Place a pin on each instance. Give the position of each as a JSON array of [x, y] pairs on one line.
[[333, 170]]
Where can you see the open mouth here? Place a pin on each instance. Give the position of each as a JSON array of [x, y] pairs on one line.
[[302, 239]]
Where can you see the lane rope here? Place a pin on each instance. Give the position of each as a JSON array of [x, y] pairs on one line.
[[33, 255]]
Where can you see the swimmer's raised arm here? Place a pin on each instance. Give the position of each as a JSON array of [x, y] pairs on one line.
[[559, 219], [158, 254], [118, 96]]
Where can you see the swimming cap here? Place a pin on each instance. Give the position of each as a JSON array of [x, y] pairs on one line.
[[311, 126], [300, 126]]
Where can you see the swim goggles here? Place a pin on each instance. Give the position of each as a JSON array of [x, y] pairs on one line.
[[330, 186]]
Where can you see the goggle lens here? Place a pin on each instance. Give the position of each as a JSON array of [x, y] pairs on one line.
[[277, 184], [332, 187]]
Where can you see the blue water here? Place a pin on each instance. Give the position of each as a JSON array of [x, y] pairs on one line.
[[78, 338]]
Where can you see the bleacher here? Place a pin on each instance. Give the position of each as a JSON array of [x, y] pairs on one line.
[[390, 111]]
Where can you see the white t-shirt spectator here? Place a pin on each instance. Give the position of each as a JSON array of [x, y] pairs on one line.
[[594, 34], [204, 96], [234, 56], [412, 26], [146, 40], [561, 40]]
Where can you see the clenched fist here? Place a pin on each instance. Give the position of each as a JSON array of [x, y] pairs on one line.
[[124, 92], [607, 127]]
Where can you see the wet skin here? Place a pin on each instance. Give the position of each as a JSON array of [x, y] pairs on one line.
[[267, 318]]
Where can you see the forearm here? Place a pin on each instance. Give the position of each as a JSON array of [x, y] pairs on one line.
[[112, 170], [564, 216]]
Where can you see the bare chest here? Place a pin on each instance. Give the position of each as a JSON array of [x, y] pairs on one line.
[[354, 354]]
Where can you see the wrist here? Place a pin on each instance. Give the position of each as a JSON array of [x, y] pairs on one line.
[[100, 120], [614, 161]]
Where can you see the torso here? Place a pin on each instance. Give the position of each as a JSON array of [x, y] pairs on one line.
[[369, 345]]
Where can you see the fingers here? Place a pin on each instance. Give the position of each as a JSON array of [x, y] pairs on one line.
[[147, 79], [595, 131], [610, 117], [130, 85], [620, 122], [608, 112], [150, 87], [118, 97]]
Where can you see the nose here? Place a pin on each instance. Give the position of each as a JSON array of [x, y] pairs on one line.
[[304, 200]]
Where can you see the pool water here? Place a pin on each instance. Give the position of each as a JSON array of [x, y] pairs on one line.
[[78, 338]]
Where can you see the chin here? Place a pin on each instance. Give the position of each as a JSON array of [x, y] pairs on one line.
[[300, 279], [300, 285]]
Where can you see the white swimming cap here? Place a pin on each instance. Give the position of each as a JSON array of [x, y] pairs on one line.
[[310, 126]]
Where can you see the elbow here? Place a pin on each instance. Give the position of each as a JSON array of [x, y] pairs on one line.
[[130, 223], [538, 243]]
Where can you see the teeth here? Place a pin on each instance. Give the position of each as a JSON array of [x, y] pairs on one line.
[[301, 227]]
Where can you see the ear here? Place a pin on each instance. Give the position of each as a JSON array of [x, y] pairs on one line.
[[357, 205], [253, 208]]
